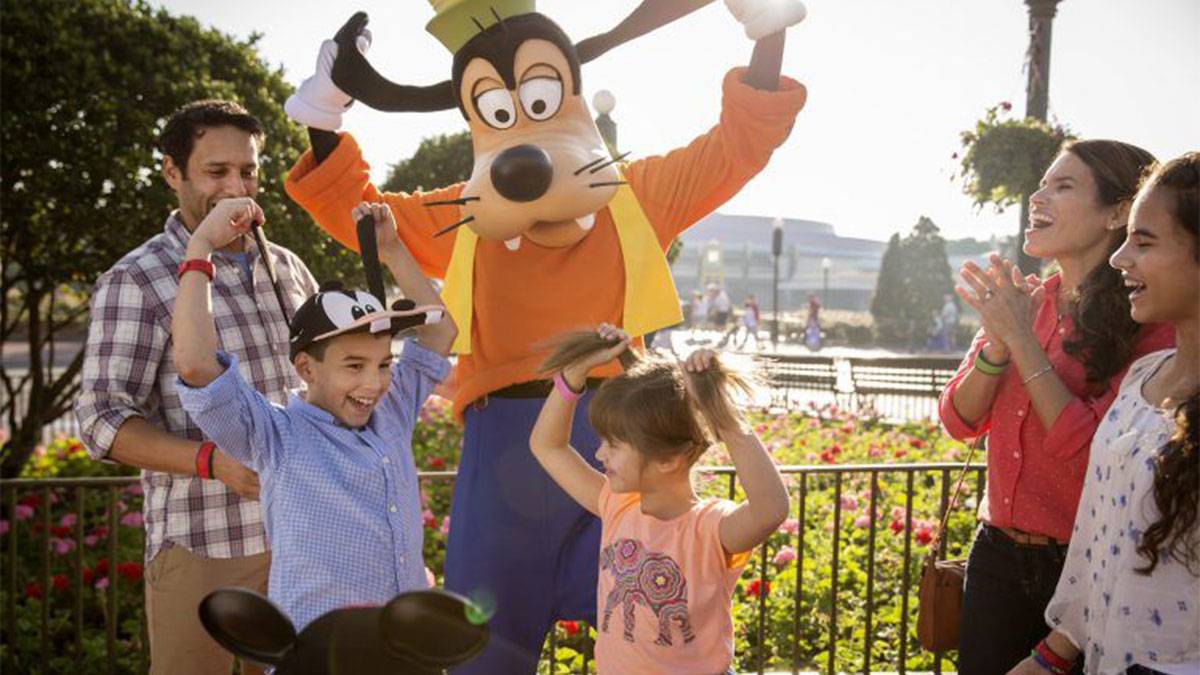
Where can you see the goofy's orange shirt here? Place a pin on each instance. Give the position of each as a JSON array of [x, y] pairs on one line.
[[525, 297]]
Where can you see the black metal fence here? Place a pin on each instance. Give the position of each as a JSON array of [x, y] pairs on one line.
[[897, 388], [816, 633]]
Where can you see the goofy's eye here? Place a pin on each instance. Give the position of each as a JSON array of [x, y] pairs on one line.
[[496, 108], [540, 97]]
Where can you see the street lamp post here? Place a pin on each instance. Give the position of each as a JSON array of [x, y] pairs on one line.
[[826, 265], [604, 102], [1037, 96], [776, 249]]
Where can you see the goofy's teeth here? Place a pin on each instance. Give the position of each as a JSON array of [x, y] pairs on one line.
[[586, 222], [513, 244]]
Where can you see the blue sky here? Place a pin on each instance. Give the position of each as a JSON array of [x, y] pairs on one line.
[[891, 83]]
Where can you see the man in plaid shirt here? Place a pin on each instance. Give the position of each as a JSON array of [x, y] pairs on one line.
[[201, 534]]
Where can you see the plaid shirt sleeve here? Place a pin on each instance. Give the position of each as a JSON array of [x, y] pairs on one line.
[[125, 345]]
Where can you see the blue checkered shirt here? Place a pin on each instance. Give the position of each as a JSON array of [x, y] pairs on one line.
[[341, 505]]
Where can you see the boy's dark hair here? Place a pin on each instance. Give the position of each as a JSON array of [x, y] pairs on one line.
[[179, 135], [317, 349]]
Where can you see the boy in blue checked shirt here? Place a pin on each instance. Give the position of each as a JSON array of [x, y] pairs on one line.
[[339, 492]]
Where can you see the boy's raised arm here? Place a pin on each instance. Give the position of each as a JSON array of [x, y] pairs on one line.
[[438, 337], [193, 333]]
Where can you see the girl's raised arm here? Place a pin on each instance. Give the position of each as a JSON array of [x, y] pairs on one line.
[[551, 446], [551, 437], [766, 504]]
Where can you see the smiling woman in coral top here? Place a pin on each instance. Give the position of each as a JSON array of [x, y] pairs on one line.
[[1039, 376]]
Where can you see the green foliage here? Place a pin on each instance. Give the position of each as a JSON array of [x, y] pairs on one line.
[[440, 161], [889, 286], [67, 458], [1003, 159], [81, 539], [87, 86], [914, 277]]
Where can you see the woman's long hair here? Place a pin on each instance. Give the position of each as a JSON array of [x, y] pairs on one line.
[[1177, 467], [1105, 333], [656, 406]]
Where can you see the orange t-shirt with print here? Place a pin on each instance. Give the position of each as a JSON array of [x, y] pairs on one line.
[[665, 588], [523, 298]]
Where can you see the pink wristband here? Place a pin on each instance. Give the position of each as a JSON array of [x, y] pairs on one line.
[[564, 389]]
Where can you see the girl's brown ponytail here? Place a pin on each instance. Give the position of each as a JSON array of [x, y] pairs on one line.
[[713, 391], [575, 346]]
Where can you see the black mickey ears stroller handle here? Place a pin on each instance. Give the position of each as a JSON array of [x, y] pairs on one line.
[[369, 251], [416, 633], [248, 625]]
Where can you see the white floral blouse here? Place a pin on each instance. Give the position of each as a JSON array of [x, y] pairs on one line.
[[1114, 615]]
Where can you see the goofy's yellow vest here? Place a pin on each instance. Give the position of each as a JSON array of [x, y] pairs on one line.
[[651, 301]]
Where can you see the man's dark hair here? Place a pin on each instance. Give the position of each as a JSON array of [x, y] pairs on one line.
[[179, 135]]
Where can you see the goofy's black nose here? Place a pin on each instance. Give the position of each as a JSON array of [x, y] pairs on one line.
[[522, 173]]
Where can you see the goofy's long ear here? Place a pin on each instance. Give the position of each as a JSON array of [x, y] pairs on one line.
[[354, 75], [649, 16]]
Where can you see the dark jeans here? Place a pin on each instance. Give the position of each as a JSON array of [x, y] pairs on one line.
[[1008, 586]]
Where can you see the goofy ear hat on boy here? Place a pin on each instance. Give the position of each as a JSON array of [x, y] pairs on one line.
[[335, 310], [541, 168]]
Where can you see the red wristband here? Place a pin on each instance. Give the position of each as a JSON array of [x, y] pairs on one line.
[[204, 459], [565, 390], [197, 265], [1053, 658]]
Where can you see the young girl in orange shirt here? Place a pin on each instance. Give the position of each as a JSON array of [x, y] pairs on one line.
[[669, 559]]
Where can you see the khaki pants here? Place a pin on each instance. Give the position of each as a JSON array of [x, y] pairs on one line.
[[176, 581]]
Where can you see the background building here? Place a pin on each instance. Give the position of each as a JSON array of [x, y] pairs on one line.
[[735, 251]]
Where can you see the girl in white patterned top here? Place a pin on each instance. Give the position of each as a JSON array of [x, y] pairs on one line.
[[1128, 600]]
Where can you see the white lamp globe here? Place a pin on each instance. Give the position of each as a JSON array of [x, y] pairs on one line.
[[604, 101]]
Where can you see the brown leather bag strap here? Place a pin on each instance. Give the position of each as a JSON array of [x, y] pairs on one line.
[[935, 545]]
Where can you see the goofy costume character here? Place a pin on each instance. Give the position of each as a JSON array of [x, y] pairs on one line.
[[550, 233]]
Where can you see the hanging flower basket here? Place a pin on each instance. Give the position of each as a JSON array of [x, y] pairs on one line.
[[1003, 159]]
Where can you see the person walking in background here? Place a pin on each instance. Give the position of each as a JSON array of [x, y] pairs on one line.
[[1127, 599], [935, 339], [812, 325], [750, 321], [949, 318], [699, 313], [720, 306], [204, 528], [1038, 378]]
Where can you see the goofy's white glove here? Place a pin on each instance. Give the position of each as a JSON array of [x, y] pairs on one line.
[[319, 103], [761, 18]]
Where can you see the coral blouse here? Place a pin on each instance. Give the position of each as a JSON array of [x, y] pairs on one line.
[[1035, 474]]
